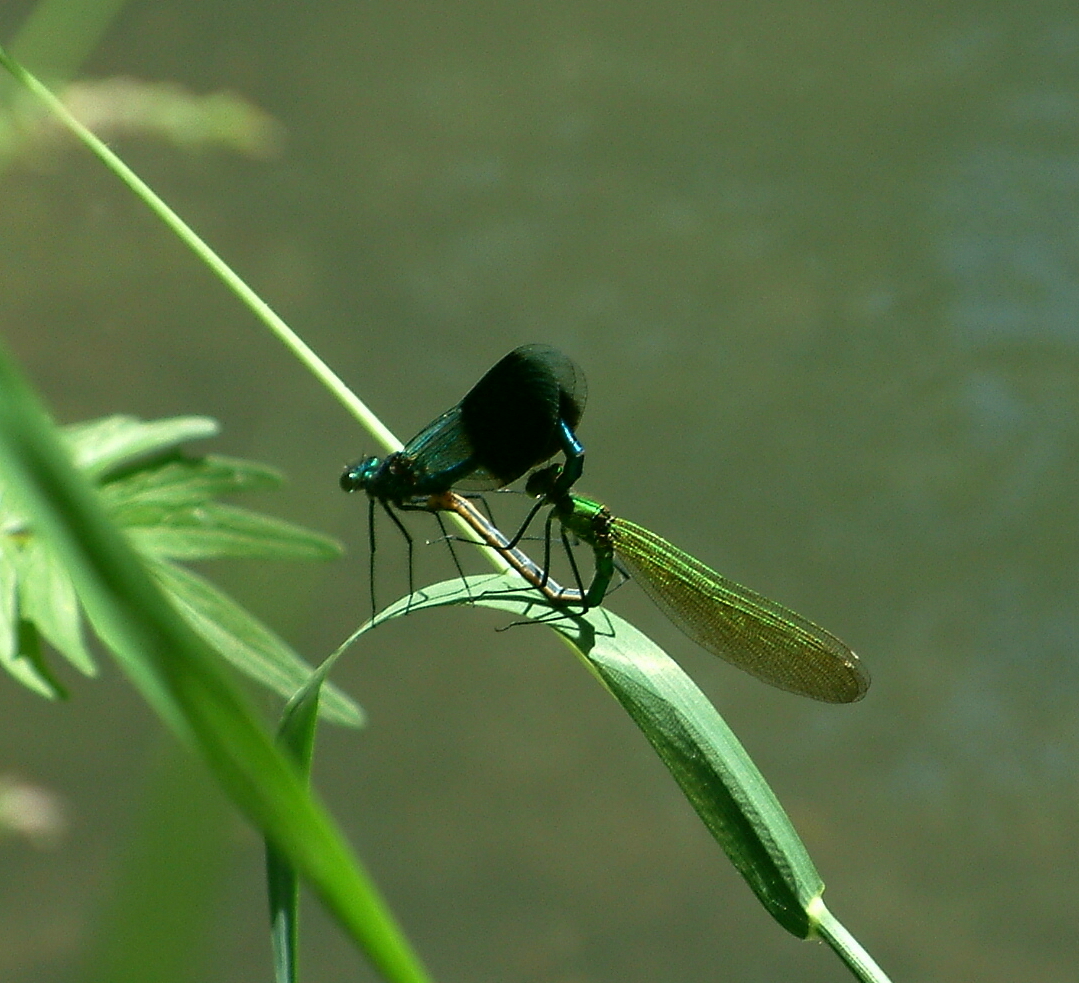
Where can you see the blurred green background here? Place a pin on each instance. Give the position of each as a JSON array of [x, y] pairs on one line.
[[820, 263]]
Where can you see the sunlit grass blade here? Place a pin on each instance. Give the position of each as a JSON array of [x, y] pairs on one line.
[[845, 945], [295, 344], [181, 678]]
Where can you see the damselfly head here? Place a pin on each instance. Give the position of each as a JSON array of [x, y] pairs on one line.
[[358, 475]]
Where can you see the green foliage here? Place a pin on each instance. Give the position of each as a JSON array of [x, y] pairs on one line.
[[164, 501], [705, 758], [701, 752], [179, 675]]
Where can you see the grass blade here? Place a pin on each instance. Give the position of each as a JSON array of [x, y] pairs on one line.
[[296, 737]]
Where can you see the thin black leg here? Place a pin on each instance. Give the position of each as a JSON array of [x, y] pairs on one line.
[[576, 572], [546, 550], [524, 525], [408, 539], [449, 543], [371, 554]]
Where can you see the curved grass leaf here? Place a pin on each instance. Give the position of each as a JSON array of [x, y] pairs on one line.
[[182, 678], [702, 753], [709, 763]]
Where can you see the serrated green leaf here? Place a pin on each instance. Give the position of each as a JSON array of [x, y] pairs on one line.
[[214, 531], [31, 667], [165, 503], [9, 580], [47, 598], [246, 642], [717, 776], [151, 494], [17, 653], [99, 446]]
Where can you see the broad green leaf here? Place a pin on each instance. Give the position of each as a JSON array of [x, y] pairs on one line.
[[216, 531], [246, 642], [99, 446], [709, 763], [47, 598], [705, 758]]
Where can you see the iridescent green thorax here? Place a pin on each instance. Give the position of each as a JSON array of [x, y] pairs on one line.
[[592, 523], [589, 521]]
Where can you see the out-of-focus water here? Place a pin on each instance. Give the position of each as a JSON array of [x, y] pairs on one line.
[[820, 263]]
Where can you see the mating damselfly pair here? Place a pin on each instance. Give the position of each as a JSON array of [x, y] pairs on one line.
[[523, 412]]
